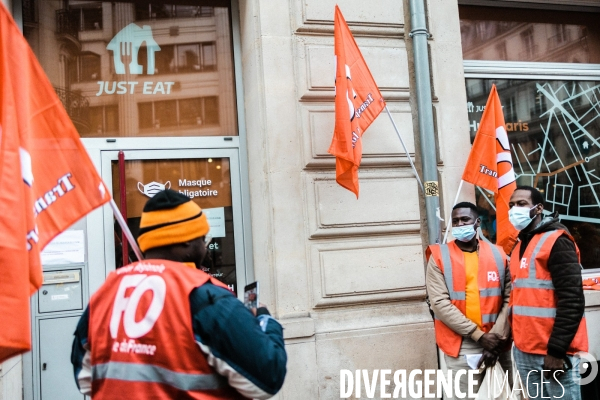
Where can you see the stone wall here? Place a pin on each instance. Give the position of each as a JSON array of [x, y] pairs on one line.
[[345, 276]]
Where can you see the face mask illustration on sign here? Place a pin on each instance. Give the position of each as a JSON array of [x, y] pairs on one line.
[[152, 188]]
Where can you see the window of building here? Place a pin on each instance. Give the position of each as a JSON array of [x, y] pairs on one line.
[[85, 16], [166, 11], [529, 35], [153, 60], [195, 112], [103, 120], [547, 80], [84, 68], [182, 58], [554, 133]]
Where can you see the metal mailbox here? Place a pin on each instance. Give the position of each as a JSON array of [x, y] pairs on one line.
[[61, 291]]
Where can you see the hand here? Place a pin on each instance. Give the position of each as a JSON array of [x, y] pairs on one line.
[[488, 359], [491, 342], [254, 310], [553, 364]]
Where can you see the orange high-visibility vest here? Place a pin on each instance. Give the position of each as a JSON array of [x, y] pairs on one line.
[[492, 268], [141, 337], [532, 299]]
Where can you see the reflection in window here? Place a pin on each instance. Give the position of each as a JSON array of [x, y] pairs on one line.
[[103, 119], [528, 45], [502, 52], [554, 134], [198, 111], [193, 57], [560, 35], [529, 35], [164, 11], [510, 109], [84, 68], [186, 68], [539, 105], [86, 17]]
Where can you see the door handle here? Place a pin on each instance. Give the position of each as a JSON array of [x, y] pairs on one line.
[[43, 366]]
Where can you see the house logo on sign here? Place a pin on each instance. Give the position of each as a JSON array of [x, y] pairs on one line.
[[152, 188], [127, 43], [125, 47]]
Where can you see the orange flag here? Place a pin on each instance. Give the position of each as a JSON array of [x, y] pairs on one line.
[[490, 166], [357, 103], [47, 181]]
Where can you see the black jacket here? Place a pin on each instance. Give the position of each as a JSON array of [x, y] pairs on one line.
[[565, 271]]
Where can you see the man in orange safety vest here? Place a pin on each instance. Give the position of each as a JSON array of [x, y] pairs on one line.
[[468, 287]]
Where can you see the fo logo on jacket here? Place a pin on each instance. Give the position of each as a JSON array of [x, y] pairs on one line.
[[492, 276], [125, 307]]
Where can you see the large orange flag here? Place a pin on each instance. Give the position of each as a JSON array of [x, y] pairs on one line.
[[357, 103], [47, 181], [490, 166]]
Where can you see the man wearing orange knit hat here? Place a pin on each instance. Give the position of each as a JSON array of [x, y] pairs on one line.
[[158, 329]]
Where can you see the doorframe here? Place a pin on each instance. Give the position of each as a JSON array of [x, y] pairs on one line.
[[107, 156]]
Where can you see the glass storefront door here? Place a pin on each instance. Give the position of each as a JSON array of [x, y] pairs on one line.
[[209, 177]]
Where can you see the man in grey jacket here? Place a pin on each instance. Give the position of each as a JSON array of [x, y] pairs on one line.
[[469, 319]]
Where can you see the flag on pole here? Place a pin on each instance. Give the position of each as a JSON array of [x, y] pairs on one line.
[[357, 103], [490, 166], [47, 180]]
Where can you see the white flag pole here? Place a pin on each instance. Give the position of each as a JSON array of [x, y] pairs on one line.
[[125, 228], [405, 149], [450, 217]]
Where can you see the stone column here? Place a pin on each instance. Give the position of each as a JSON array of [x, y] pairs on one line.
[[123, 15], [227, 110]]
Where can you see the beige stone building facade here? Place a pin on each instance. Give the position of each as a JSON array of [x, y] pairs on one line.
[[248, 86]]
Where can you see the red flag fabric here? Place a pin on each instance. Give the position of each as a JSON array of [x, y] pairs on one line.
[[490, 166], [357, 103], [47, 180]]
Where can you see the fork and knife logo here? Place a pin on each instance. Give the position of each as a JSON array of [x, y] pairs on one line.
[[126, 46]]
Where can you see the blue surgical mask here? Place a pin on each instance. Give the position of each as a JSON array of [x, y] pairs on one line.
[[520, 217], [464, 233]]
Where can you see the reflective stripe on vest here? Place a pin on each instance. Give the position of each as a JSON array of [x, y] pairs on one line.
[[461, 295], [542, 312], [489, 318], [454, 295], [531, 282], [485, 318], [154, 374]]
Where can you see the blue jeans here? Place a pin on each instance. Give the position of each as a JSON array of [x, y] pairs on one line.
[[530, 366]]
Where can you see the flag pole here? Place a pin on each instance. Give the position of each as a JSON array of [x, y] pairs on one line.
[[125, 229], [450, 217], [405, 149]]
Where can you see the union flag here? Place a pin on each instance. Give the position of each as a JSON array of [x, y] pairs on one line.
[[357, 103], [47, 180], [490, 166]]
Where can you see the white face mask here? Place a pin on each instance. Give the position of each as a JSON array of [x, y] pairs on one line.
[[152, 188], [520, 217], [464, 233]]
